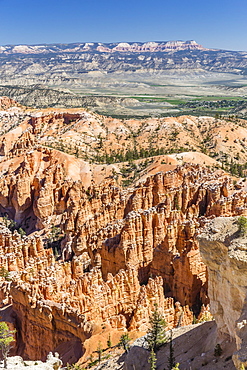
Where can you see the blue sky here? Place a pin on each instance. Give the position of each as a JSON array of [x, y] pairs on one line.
[[216, 24]]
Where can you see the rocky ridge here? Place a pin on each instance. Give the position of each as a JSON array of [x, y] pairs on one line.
[[99, 139], [40, 96], [165, 46], [68, 65]]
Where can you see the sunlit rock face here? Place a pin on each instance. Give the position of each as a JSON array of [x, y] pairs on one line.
[[223, 250], [80, 254]]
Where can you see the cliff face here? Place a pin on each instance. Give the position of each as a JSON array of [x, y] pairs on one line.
[[57, 305], [223, 250], [95, 255], [118, 248]]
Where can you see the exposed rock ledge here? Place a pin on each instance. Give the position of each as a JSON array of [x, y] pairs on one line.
[[16, 363], [224, 251]]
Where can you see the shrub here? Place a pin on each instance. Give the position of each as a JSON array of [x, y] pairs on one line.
[[74, 367], [4, 274], [242, 225], [217, 350]]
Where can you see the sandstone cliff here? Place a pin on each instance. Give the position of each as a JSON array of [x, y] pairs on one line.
[[223, 250], [117, 249], [97, 257]]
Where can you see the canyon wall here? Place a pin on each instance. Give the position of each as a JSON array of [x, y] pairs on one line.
[[120, 252], [78, 255], [223, 249]]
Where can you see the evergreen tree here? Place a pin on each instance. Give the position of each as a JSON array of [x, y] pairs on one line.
[[6, 338], [99, 351], [156, 335], [124, 342], [152, 360], [242, 225], [109, 342]]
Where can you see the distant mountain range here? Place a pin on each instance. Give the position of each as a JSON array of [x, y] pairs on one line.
[[136, 47], [30, 64], [28, 72]]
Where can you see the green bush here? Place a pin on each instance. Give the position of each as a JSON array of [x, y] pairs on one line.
[[4, 274], [74, 367], [242, 225]]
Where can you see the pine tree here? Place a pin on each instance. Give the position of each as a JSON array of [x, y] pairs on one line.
[[124, 342], [99, 350], [242, 225], [156, 335], [152, 360], [6, 338], [109, 342]]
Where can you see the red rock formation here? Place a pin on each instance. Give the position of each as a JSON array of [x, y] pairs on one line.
[[117, 252], [114, 242], [57, 302], [6, 103]]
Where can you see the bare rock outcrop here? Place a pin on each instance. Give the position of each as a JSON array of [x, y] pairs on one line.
[[223, 250], [52, 363], [6, 103]]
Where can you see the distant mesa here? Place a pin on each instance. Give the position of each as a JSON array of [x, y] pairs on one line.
[[135, 47], [156, 46]]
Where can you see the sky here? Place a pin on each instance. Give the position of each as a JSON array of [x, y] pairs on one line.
[[217, 24]]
